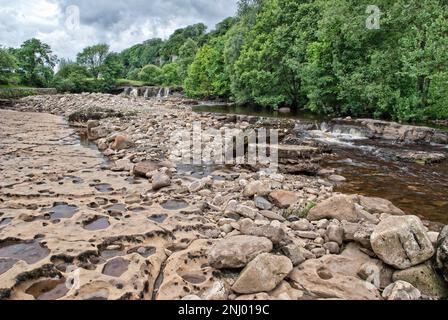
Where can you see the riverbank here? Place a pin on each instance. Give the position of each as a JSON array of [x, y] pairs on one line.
[[135, 225]]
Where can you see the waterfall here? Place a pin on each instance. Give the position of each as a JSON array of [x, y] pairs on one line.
[[167, 92], [146, 95], [159, 94]]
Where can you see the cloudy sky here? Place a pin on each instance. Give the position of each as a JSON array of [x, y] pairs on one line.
[[120, 23]]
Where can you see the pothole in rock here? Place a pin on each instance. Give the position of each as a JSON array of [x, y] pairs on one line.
[[103, 187], [194, 278], [158, 218], [175, 205], [48, 289], [117, 209], [116, 267], [6, 264], [112, 253], [5, 221], [28, 251], [134, 180], [143, 251], [61, 210], [98, 223]]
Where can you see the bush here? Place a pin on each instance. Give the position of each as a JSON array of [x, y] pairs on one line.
[[151, 74]]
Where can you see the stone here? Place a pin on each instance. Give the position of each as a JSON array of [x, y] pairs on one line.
[[401, 290], [377, 273], [273, 233], [237, 251], [122, 142], [425, 279], [302, 225], [352, 208], [335, 233], [263, 274], [308, 234], [337, 179], [333, 277], [160, 180], [218, 292], [246, 211], [337, 207], [441, 258], [379, 206], [294, 253], [262, 204], [198, 185], [272, 215], [143, 168], [283, 199], [332, 247], [402, 242], [256, 188]]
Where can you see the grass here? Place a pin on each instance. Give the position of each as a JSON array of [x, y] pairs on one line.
[[14, 86], [126, 82]]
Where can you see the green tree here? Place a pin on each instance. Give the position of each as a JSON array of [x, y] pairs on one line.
[[187, 52], [206, 75], [170, 75], [8, 66], [93, 58], [151, 74], [36, 62]]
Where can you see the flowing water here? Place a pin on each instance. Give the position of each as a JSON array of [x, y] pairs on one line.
[[371, 167]]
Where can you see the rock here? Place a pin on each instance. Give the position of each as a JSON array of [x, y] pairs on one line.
[[333, 277], [379, 205], [284, 110], [352, 208], [401, 290], [283, 199], [199, 185], [262, 203], [441, 258], [246, 211], [263, 274], [122, 142], [402, 242], [273, 233], [218, 292], [339, 207], [160, 180], [294, 253], [377, 273], [332, 247], [308, 234], [335, 233], [302, 225], [236, 252], [256, 188], [336, 178], [272, 215], [143, 168], [425, 279]]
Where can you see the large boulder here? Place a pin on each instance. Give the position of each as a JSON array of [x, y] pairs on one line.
[[352, 208], [333, 277], [283, 198], [441, 259], [402, 242], [238, 251], [263, 274], [425, 279]]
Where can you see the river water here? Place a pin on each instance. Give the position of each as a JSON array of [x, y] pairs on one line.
[[370, 166]]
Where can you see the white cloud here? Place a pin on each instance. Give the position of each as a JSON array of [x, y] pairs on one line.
[[120, 23]]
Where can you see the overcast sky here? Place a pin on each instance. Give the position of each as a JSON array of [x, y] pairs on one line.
[[120, 23]]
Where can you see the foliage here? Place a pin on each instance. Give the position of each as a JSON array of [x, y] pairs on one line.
[[151, 75], [170, 75], [8, 66], [36, 62], [93, 58]]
